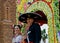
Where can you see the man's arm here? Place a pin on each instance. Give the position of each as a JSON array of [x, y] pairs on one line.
[[37, 33]]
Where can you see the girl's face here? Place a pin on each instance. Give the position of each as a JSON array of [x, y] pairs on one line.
[[17, 30]]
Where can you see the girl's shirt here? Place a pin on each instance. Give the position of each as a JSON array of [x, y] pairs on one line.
[[17, 39]]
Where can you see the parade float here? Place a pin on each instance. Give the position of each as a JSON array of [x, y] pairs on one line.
[[50, 9]]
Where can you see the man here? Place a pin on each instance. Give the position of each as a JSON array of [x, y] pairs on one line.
[[34, 31], [33, 28]]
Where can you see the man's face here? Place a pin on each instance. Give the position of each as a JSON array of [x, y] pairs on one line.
[[30, 20]]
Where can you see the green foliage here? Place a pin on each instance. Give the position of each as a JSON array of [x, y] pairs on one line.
[[44, 35]]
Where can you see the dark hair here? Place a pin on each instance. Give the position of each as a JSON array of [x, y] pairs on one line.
[[18, 26]]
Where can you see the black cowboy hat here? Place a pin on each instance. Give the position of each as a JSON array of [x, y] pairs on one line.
[[34, 16]]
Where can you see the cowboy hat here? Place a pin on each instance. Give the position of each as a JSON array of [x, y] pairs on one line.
[[25, 16]]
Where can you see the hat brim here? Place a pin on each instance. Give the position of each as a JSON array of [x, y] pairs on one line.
[[34, 16]]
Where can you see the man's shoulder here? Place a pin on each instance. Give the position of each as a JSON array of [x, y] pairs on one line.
[[36, 24]]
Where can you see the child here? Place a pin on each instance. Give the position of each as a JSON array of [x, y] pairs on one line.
[[17, 37]]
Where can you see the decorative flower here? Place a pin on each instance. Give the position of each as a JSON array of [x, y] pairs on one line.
[[18, 1], [29, 3], [25, 6]]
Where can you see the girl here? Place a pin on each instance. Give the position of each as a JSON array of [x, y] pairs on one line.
[[17, 37]]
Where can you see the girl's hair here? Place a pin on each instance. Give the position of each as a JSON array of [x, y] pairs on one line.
[[19, 26]]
